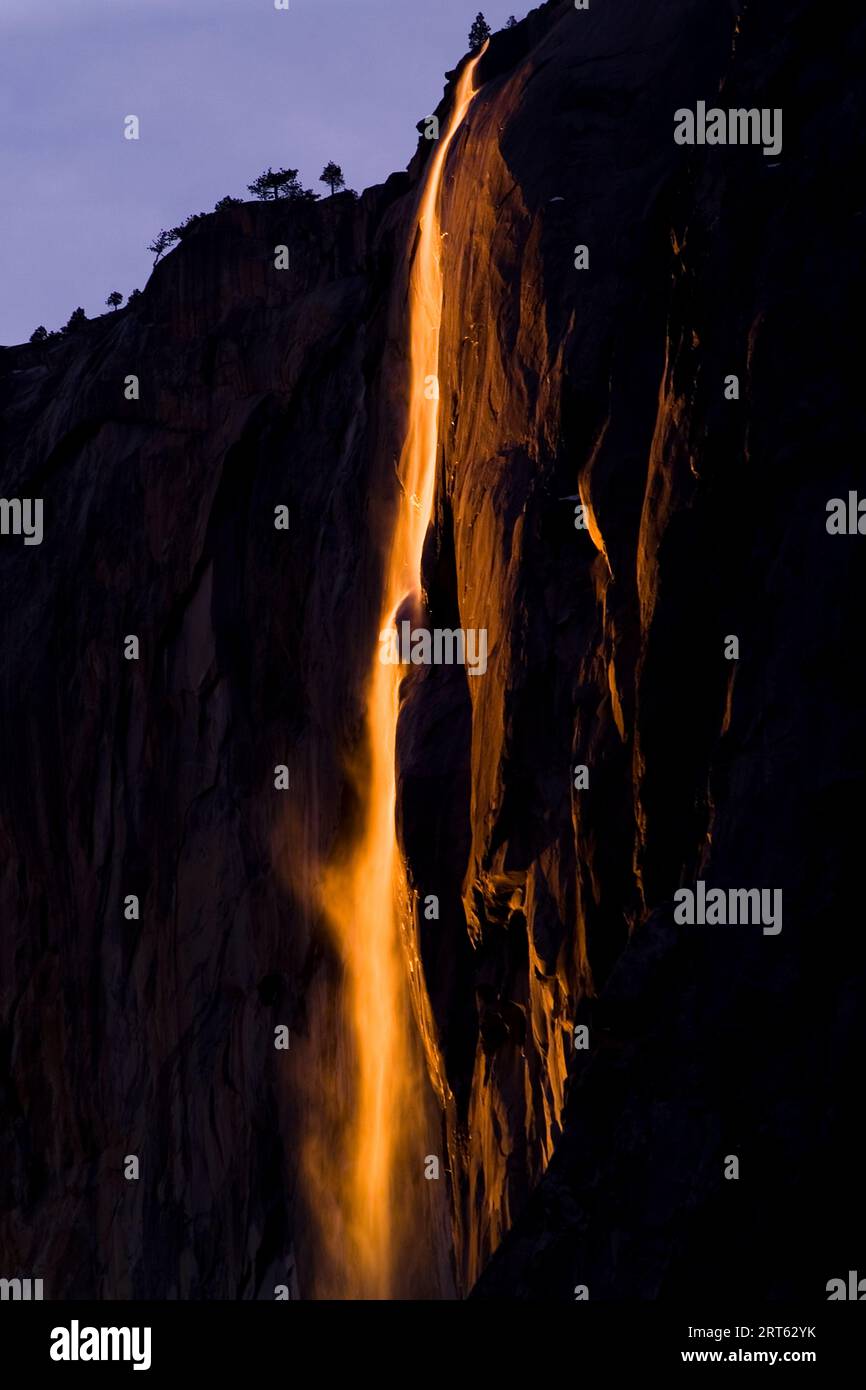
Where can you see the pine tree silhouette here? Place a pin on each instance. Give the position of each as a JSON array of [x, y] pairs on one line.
[[479, 32]]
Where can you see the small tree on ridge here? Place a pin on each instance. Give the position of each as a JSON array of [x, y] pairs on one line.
[[332, 175], [263, 187], [479, 32], [161, 243]]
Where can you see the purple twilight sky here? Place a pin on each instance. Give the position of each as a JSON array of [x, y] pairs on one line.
[[222, 89]]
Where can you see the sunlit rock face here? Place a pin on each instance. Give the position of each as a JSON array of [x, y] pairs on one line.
[[601, 387], [607, 650]]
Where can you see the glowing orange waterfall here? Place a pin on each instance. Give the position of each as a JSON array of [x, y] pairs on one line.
[[380, 1140]]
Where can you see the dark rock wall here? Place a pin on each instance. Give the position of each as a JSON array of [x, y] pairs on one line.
[[261, 388], [156, 777]]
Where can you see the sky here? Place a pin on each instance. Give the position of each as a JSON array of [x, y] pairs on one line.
[[222, 89]]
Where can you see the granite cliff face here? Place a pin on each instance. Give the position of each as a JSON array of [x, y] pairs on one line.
[[261, 388]]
